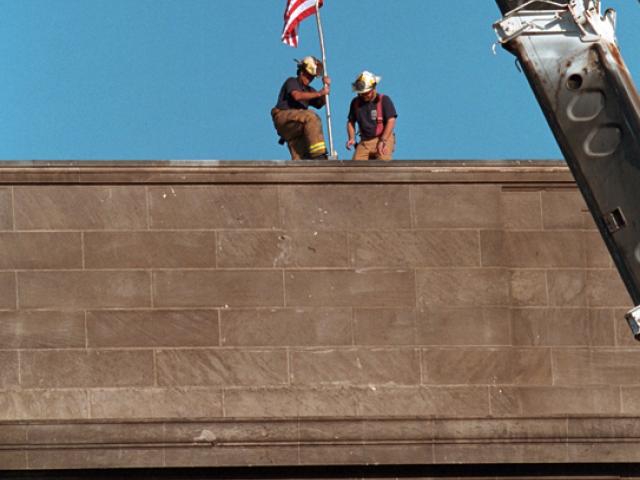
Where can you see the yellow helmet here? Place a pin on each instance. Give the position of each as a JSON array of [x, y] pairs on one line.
[[311, 65], [365, 82]]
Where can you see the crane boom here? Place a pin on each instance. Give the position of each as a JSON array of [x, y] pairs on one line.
[[569, 53]]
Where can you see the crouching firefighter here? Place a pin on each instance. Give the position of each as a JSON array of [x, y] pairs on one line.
[[375, 115], [294, 122]]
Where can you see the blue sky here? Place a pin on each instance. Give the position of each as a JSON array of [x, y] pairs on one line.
[[196, 79]]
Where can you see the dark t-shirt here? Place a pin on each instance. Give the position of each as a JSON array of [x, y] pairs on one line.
[[366, 114], [286, 101]]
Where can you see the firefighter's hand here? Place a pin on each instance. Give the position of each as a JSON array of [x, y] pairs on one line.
[[350, 143], [382, 147], [326, 89]]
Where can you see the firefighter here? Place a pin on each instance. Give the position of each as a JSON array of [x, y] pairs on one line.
[[294, 122], [375, 116]]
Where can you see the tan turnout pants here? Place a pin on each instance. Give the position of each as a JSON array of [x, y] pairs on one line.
[[367, 149], [302, 130]]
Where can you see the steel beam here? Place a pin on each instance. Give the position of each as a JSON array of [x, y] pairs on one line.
[[569, 53]]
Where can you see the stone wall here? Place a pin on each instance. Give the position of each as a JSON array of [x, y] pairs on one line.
[[195, 314]]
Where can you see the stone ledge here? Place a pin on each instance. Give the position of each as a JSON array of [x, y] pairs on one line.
[[327, 441], [213, 172]]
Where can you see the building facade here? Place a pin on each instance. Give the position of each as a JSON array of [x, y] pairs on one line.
[[273, 315]]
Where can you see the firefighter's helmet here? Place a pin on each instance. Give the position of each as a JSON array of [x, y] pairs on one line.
[[311, 65], [365, 82]]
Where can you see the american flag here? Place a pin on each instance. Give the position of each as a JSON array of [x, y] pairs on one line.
[[296, 12]]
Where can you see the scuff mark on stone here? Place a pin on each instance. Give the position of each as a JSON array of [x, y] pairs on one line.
[[285, 247], [206, 436]]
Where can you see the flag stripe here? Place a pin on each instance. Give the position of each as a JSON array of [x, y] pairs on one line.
[[296, 12], [301, 9], [297, 17], [292, 6]]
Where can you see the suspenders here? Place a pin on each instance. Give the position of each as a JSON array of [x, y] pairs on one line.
[[379, 119]]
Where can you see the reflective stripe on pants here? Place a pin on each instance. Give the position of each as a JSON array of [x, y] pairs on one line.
[[302, 130]]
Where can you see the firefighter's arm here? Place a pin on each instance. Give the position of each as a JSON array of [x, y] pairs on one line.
[[386, 134], [299, 95], [351, 135]]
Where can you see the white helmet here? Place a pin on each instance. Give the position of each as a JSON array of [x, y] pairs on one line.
[[365, 82], [311, 65]]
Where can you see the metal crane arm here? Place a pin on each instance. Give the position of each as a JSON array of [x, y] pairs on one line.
[[569, 53]]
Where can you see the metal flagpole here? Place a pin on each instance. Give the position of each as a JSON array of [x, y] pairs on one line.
[[332, 152]]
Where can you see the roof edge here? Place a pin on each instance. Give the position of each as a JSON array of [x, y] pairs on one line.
[[239, 172]]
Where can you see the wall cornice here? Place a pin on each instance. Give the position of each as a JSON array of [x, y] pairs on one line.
[[309, 441], [213, 172]]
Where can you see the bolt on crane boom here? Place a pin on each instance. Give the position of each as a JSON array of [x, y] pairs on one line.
[[570, 56]]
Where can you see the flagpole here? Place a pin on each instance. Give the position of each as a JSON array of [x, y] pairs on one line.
[[332, 152]]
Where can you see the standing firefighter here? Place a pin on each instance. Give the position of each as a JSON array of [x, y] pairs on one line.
[[294, 122], [376, 116]]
